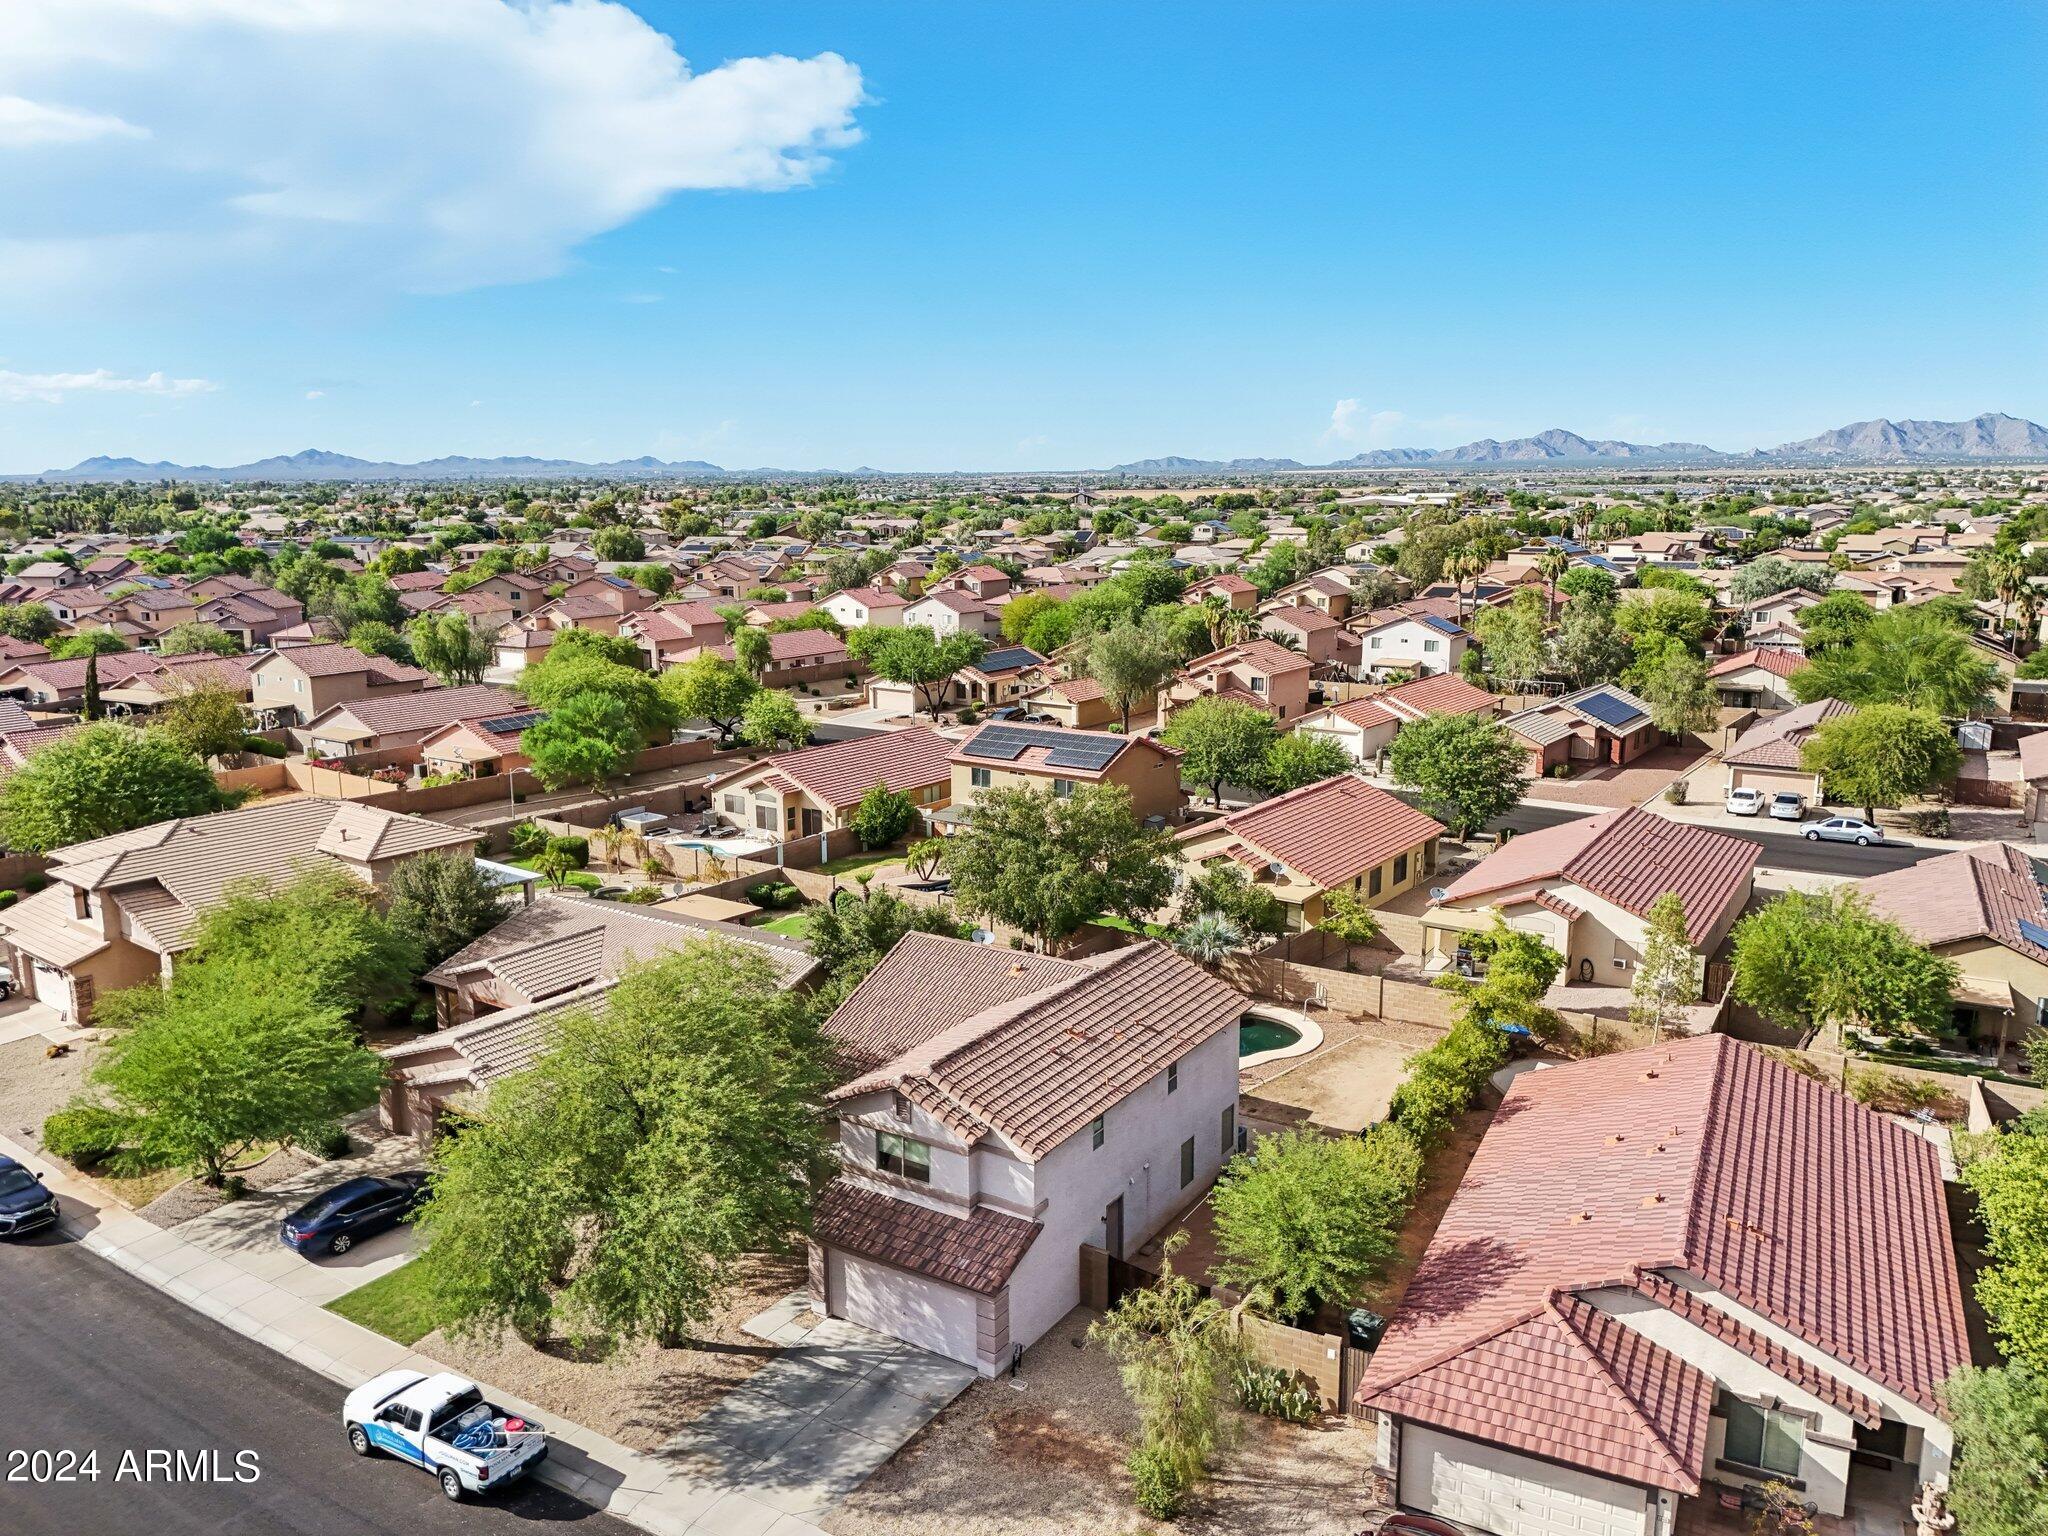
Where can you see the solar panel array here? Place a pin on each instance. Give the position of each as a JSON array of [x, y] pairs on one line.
[[1006, 658], [511, 725], [1607, 709], [1085, 750], [2034, 933]]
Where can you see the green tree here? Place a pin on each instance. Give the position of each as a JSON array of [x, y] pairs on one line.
[[2011, 1186], [100, 780], [226, 1056], [772, 721], [1309, 1218], [1467, 769], [205, 718], [2000, 1478], [551, 682], [32, 622], [1047, 863], [1223, 887], [1347, 918], [1221, 741], [1512, 638], [1300, 758], [1019, 613], [452, 646], [192, 635], [617, 542], [850, 934], [1130, 661], [1774, 574], [1834, 622], [321, 924], [1176, 1351], [752, 649], [1589, 584], [1681, 696], [1667, 979], [1815, 960], [587, 738], [711, 689], [1922, 657], [446, 901], [613, 1188], [1882, 755], [1588, 648], [1663, 621], [914, 655], [91, 642], [375, 639], [883, 816]]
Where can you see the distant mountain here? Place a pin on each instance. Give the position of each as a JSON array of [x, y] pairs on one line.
[[1173, 464], [1990, 436], [319, 464], [1556, 446]]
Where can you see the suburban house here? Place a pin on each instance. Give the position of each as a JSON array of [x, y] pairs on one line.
[[1585, 887], [1604, 724], [1366, 727], [1413, 640], [1000, 1109], [118, 909], [817, 789], [496, 1001], [675, 632], [298, 685], [42, 683], [1985, 909], [1078, 703], [1778, 608], [1233, 589], [1756, 678], [1254, 671], [864, 607], [1339, 834], [1668, 1272], [479, 746], [1313, 631], [954, 611], [999, 755], [402, 719], [1766, 757]]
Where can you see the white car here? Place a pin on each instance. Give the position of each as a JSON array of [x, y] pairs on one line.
[[443, 1424], [1845, 829], [1745, 802]]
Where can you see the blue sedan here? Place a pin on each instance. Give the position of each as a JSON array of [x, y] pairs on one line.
[[337, 1220], [24, 1204]]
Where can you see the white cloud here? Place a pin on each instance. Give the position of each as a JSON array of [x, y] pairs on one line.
[[316, 394], [374, 145], [51, 388], [1350, 422], [26, 124]]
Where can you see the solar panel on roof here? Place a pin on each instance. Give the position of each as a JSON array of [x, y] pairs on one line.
[[1003, 742], [1008, 657], [1092, 755], [508, 725], [1607, 709], [2034, 933]]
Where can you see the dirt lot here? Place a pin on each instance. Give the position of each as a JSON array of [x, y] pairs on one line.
[[1347, 1082], [642, 1395], [1047, 1460], [1441, 1175]]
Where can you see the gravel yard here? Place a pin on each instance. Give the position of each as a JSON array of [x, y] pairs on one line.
[[643, 1394], [34, 1085], [1049, 1461], [189, 1197]]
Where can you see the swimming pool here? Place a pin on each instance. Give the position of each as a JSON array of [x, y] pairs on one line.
[[1269, 1033], [1257, 1036]]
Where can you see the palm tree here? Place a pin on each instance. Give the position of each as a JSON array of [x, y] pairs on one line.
[[2008, 573], [1208, 938], [1464, 566], [1552, 565]]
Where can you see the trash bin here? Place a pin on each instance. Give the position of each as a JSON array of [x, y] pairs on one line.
[[1365, 1328]]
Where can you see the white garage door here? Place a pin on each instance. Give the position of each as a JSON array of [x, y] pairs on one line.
[[904, 1306], [52, 989], [1497, 1491]]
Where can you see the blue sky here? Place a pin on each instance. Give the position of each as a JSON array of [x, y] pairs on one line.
[[935, 235]]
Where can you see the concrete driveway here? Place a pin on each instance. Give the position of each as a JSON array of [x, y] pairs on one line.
[[241, 1236]]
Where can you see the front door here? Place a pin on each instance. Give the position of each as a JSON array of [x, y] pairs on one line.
[[1113, 1228]]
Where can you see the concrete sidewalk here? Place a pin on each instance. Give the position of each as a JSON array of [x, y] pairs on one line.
[[695, 1483]]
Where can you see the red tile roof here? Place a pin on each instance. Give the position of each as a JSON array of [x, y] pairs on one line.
[[1630, 857], [1443, 694], [838, 773], [1703, 1158], [929, 983], [1782, 663], [1977, 893], [976, 1253], [1776, 742], [1333, 830]]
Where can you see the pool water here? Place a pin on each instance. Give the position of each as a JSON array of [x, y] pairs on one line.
[[1256, 1035]]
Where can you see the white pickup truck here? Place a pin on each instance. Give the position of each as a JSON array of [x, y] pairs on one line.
[[443, 1424]]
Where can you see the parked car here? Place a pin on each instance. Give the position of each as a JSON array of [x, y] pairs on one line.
[[442, 1423], [24, 1204], [1786, 806], [343, 1216], [1844, 829], [1745, 802]]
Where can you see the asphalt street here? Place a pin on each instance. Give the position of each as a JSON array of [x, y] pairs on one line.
[[1781, 851], [92, 1360]]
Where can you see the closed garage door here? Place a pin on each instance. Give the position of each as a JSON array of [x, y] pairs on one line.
[[902, 1305], [1497, 1491], [53, 989]]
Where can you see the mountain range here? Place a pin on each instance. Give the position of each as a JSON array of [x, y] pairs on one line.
[[1988, 437]]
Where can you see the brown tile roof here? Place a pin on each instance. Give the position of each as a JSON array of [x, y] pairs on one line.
[[1038, 1067], [1306, 620], [1260, 655], [1772, 1356], [1703, 1157], [1443, 694], [838, 773], [1331, 831], [976, 1253], [339, 660], [1976, 893], [1629, 856], [1780, 662], [927, 984], [1776, 742], [426, 710]]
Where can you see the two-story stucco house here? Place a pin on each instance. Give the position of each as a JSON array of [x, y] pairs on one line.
[[817, 789], [1257, 672], [867, 607], [1002, 1110], [299, 683], [1000, 755]]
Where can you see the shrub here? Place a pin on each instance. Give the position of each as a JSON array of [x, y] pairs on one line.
[[332, 1143], [1277, 1394], [1561, 770], [263, 746], [9, 898], [527, 839], [773, 893], [969, 714], [643, 895], [1158, 1485], [1676, 792], [1892, 1094], [84, 1135], [577, 848]]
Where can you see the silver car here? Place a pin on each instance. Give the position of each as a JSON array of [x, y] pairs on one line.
[[1786, 806], [1844, 829]]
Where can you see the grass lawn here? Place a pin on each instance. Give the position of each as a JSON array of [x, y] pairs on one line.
[[397, 1305], [795, 925], [578, 880], [854, 862], [1125, 925]]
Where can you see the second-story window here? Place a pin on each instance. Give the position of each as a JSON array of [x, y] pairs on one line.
[[903, 1157], [1095, 1132], [1173, 1077], [980, 778], [1063, 787]]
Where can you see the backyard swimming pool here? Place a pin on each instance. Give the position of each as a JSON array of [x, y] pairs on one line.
[[1257, 1036]]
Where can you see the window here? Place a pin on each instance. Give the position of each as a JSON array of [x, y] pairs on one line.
[[1375, 642], [1187, 1162], [901, 1156], [1429, 645], [1173, 1077], [1762, 1437], [1258, 685], [1095, 1132], [1229, 1138], [1400, 867], [980, 778], [1063, 787], [1373, 881], [736, 804]]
